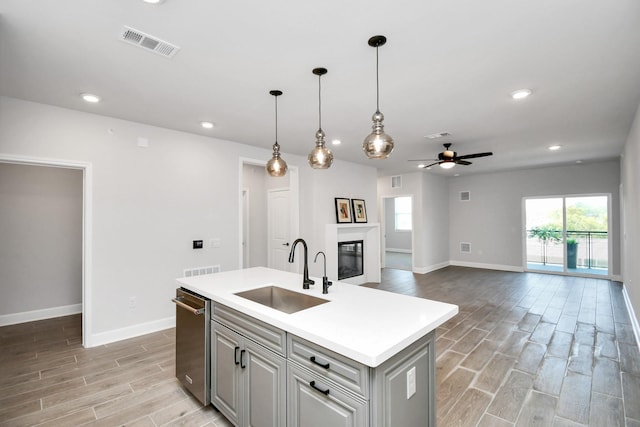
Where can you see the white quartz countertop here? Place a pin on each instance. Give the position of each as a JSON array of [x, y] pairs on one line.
[[366, 325]]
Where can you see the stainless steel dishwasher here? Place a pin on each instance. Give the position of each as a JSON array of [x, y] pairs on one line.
[[192, 343]]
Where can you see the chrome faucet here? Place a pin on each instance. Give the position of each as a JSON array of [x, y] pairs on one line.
[[325, 280], [305, 279]]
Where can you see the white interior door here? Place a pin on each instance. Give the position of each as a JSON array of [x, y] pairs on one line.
[[279, 229]]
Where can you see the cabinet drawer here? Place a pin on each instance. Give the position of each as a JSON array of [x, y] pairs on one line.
[[314, 401], [342, 370], [269, 336]]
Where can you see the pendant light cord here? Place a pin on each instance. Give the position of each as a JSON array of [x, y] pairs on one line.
[[276, 118], [377, 84], [319, 102]]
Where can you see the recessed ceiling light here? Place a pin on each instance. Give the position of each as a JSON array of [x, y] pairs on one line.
[[89, 97], [153, 1], [422, 166], [456, 174], [578, 161], [207, 125], [521, 94], [336, 142], [554, 147]]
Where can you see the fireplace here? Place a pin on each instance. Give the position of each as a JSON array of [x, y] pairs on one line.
[[350, 259]]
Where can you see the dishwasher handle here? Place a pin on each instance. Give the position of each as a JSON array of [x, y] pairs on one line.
[[179, 303]]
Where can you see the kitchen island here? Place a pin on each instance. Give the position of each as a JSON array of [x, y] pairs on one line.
[[364, 357]]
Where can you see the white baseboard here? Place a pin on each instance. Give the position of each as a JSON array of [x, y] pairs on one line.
[[45, 313], [632, 315], [402, 251], [513, 268], [129, 332], [429, 269]]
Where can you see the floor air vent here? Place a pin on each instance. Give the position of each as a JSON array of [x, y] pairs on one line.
[[151, 43], [200, 271], [465, 247]]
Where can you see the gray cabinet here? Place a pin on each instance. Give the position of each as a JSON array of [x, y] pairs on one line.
[[248, 383], [316, 402], [263, 376]]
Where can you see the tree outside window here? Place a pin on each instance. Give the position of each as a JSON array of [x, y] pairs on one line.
[[402, 207]]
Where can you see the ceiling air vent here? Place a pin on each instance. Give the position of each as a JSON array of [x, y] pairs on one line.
[[465, 196], [151, 43], [396, 181], [465, 247]]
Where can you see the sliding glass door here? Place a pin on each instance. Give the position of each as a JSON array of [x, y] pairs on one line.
[[567, 234]]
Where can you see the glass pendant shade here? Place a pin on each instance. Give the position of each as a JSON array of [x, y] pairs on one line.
[[320, 157], [377, 145], [276, 166]]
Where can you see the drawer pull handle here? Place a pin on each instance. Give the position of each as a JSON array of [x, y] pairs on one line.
[[235, 355], [242, 365], [324, 365], [314, 386]]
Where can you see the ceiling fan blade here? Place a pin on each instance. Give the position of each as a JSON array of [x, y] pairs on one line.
[[432, 164], [473, 156], [461, 162]]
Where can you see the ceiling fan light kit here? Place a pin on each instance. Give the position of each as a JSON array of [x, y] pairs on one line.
[[377, 145], [276, 166], [320, 157]]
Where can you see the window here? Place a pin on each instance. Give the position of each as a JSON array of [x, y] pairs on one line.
[[402, 207]]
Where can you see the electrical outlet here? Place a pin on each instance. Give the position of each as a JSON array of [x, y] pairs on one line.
[[132, 302], [411, 382]]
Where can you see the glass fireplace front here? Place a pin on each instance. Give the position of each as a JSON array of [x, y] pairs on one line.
[[350, 259]]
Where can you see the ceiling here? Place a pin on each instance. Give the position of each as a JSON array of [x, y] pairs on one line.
[[448, 65]]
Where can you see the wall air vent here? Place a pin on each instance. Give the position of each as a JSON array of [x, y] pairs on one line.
[[200, 271], [396, 181], [150, 43], [465, 247], [465, 196]]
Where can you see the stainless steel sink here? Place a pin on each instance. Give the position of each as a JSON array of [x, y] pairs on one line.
[[281, 299]]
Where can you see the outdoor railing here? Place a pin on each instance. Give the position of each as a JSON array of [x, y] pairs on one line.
[[592, 250]]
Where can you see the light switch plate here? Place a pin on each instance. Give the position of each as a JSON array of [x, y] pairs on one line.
[[411, 382]]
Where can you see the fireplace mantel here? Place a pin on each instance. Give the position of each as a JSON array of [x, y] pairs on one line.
[[370, 234]]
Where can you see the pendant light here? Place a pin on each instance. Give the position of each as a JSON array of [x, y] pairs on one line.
[[320, 157], [377, 145], [276, 166]]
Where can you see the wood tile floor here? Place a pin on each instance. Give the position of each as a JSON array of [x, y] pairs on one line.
[[530, 349], [525, 350]]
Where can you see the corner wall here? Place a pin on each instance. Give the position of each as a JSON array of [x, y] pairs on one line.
[[630, 177]]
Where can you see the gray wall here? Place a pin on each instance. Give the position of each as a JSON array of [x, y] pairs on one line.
[[41, 243], [630, 176], [150, 203], [394, 239], [492, 220]]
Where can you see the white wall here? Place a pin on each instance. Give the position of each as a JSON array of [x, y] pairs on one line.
[[430, 217], [41, 238], [492, 220], [150, 203], [394, 239], [630, 177]]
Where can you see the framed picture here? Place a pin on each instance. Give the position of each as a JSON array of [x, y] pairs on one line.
[[359, 210], [343, 210]]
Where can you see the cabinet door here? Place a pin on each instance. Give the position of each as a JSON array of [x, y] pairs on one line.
[[264, 381], [225, 371], [316, 403]]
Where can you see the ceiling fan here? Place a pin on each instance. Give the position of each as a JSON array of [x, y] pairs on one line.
[[448, 159]]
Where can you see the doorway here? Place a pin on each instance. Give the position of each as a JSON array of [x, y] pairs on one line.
[[568, 234], [259, 229], [397, 251], [87, 185]]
